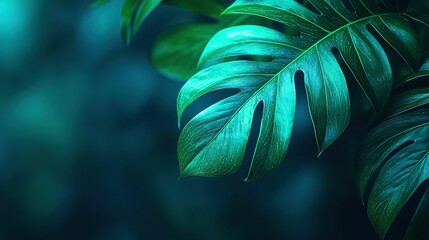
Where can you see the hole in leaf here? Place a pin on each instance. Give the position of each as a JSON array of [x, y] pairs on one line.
[[213, 62], [359, 100], [378, 170], [253, 139], [307, 4], [403, 219], [349, 6], [344, 68], [299, 76], [205, 101], [278, 26], [286, 29], [257, 58]]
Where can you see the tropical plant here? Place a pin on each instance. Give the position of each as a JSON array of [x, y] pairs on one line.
[[262, 48], [394, 158]]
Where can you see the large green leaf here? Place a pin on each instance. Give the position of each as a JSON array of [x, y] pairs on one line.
[[394, 160], [402, 173], [177, 50], [214, 141]]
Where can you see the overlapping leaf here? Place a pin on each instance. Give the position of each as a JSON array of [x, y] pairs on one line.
[[177, 50], [134, 12], [214, 141], [394, 160]]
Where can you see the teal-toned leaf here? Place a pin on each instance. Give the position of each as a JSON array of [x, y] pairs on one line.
[[423, 73], [214, 141], [408, 100], [393, 160], [134, 12], [402, 173], [421, 23]]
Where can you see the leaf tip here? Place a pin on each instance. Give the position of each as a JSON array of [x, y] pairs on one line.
[[181, 176], [179, 118], [247, 180], [320, 148], [320, 152], [224, 12], [183, 173], [126, 34], [201, 61]]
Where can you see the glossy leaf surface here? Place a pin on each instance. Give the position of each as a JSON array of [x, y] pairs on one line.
[[214, 141], [394, 161]]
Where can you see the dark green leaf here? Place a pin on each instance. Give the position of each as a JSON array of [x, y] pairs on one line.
[[134, 12], [177, 50], [420, 223], [97, 3], [396, 155], [400, 147], [213, 142], [398, 5], [419, 17], [408, 100], [423, 73], [211, 8]]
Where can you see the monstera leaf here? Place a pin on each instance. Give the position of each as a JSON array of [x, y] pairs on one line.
[[394, 160], [213, 143]]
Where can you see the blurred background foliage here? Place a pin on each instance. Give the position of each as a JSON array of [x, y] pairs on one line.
[[88, 138]]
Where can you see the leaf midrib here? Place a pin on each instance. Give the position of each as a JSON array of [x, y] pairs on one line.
[[284, 68]]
